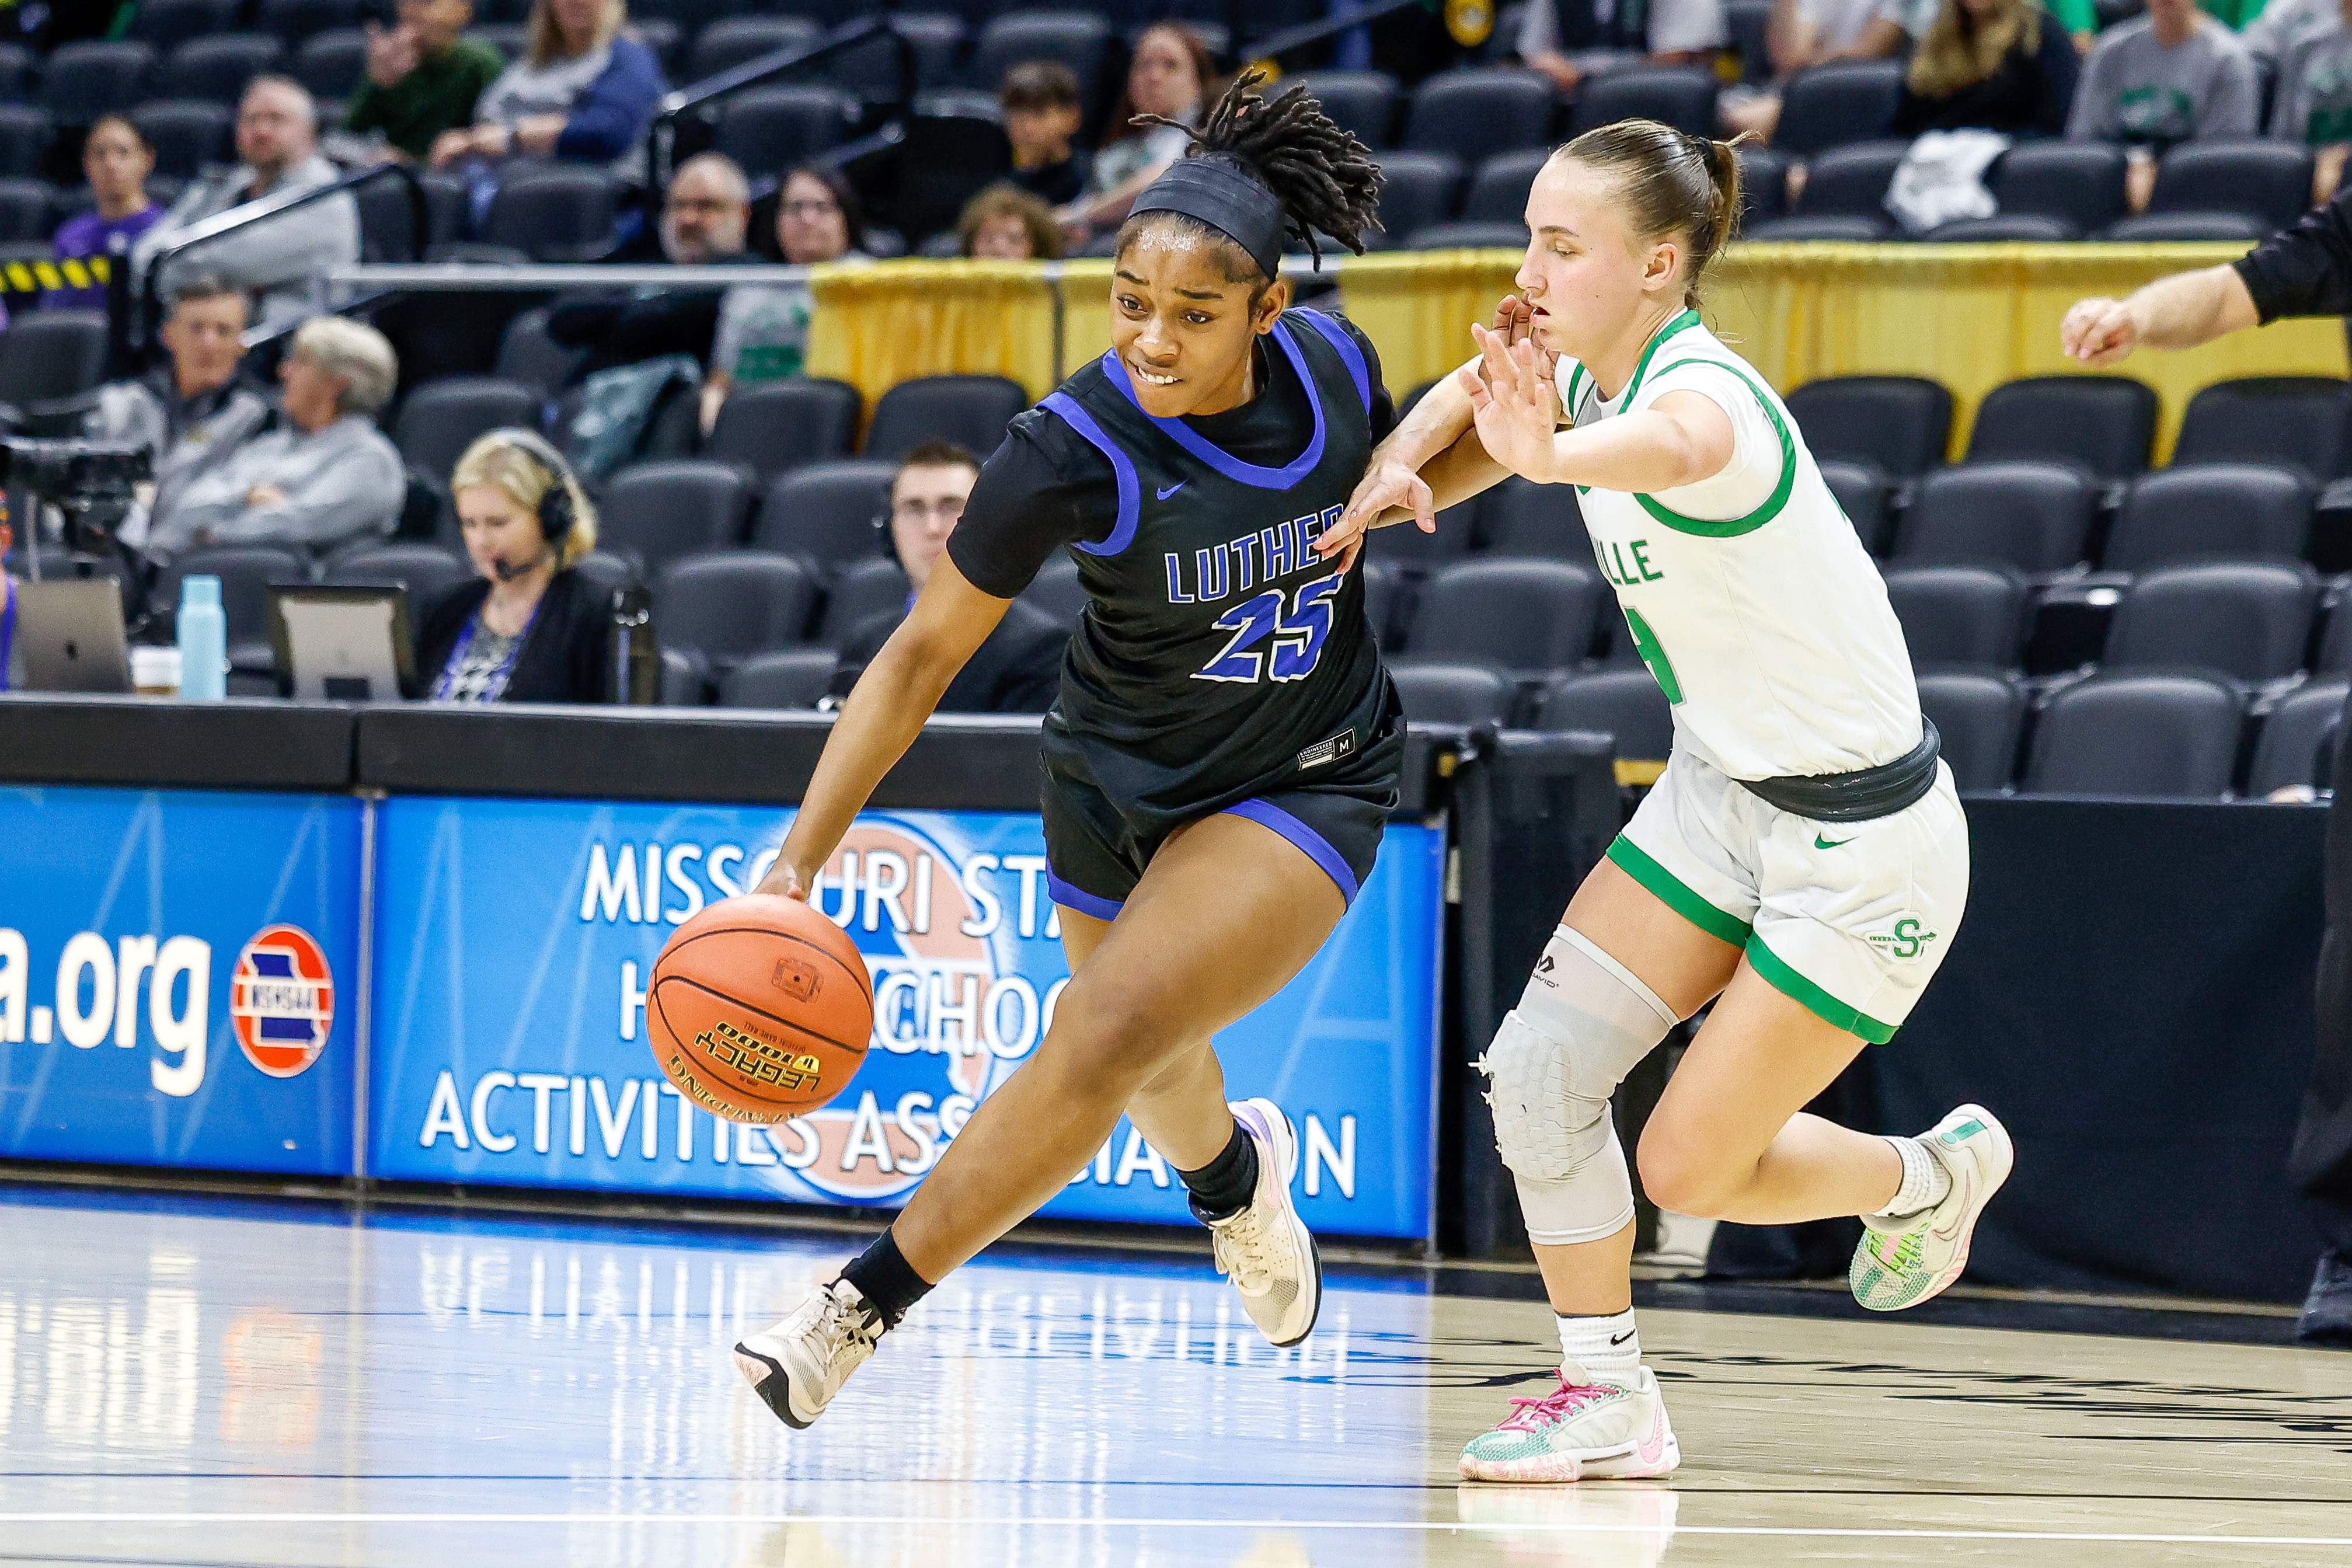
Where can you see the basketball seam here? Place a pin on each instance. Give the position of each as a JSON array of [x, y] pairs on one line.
[[865, 981]]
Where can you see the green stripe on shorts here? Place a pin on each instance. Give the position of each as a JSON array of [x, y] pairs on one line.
[[1676, 897], [1815, 1000]]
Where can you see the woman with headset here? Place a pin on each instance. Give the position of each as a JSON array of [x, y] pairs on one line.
[[529, 628]]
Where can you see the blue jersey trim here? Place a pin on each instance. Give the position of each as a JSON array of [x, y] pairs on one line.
[[1209, 452], [1131, 501], [1350, 354], [1318, 847], [1078, 899]]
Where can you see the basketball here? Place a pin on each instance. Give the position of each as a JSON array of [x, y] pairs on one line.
[[760, 1009]]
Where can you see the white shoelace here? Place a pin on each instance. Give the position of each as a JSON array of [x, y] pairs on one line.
[[1243, 1245], [841, 1328]]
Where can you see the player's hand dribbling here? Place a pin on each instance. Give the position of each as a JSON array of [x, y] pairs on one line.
[[2098, 332], [1512, 404], [784, 880]]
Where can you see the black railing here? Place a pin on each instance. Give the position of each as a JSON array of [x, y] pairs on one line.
[[661, 135]]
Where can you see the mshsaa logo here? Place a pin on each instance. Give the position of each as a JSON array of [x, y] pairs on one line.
[[282, 1000]]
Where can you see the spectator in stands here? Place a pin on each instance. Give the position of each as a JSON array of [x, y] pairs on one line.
[[2283, 23], [1005, 223], [1019, 668], [2313, 102], [1042, 116], [278, 154], [116, 160], [529, 628], [424, 78], [1990, 65], [12, 664], [325, 477], [1171, 75], [764, 328], [193, 413], [1805, 33], [2168, 76], [583, 92], [1569, 39], [705, 215]]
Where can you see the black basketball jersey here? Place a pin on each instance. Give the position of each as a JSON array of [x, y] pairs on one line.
[[1219, 655]]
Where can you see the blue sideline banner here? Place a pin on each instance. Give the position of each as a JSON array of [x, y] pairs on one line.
[[515, 939], [179, 978]]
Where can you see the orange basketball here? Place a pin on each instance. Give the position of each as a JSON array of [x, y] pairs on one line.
[[760, 1008]]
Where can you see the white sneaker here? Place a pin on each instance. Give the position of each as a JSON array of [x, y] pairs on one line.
[[1582, 1430], [1903, 1259], [798, 1365], [1267, 1248]]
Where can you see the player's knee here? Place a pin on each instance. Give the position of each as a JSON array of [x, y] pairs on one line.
[[1681, 1176], [1109, 1042]]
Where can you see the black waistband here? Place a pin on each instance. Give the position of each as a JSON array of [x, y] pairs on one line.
[[1858, 796]]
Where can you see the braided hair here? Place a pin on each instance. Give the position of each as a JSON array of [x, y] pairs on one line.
[[1325, 180]]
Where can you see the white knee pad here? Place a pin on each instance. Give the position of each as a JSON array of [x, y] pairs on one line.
[[1581, 1025]]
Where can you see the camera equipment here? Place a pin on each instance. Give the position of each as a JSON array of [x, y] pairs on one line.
[[91, 483]]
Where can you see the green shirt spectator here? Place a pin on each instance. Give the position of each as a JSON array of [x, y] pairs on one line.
[[422, 76], [2232, 14]]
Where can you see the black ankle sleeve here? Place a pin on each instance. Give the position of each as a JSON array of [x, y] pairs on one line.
[[1222, 1188], [885, 1277]]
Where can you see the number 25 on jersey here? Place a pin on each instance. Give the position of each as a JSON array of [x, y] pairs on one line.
[[1294, 627]]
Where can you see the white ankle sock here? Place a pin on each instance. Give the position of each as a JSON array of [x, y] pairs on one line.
[[1925, 1183], [1605, 1347]]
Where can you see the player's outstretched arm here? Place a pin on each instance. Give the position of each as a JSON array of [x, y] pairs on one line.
[[2176, 312], [1680, 439], [882, 716]]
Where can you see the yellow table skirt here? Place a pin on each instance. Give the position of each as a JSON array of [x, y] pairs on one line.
[[1971, 316]]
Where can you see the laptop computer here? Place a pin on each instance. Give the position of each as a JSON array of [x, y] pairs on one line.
[[343, 643], [70, 635]]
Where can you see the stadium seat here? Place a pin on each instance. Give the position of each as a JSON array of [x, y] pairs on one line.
[[50, 354], [1439, 692], [770, 129], [1831, 105], [2104, 423], [1362, 104], [731, 40], [607, 574], [659, 512], [2263, 179], [1417, 190], [16, 73], [2213, 508], [528, 355], [1866, 496], [2004, 229], [1404, 548], [425, 571], [685, 681], [2300, 740], [164, 25], [441, 419], [81, 82], [2081, 183], [2248, 620], [2160, 736], [665, 39], [834, 513], [1384, 592], [857, 594], [2030, 517], [1499, 191], [870, 70], [1959, 615], [1530, 520], [216, 68], [186, 133], [247, 573], [295, 20], [1748, 22], [1978, 717], [771, 426], [1679, 96], [788, 679], [1056, 593], [1851, 228], [24, 133], [1763, 184], [554, 213], [1531, 616], [1470, 113], [1900, 424], [2152, 228], [970, 410], [1079, 39], [2288, 421], [1626, 703], [1851, 181], [731, 605], [24, 212], [388, 222], [1510, 235], [691, 15]]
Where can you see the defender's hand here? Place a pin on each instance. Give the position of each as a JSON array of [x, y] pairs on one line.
[[1384, 485], [1512, 406]]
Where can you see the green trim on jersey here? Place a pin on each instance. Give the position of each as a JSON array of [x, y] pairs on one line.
[[1683, 322], [1636, 863], [1814, 1000], [1575, 380], [1733, 527]]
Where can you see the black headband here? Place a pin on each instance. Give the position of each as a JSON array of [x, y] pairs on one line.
[[1219, 191]]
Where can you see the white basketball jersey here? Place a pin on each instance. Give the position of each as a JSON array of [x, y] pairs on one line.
[[1748, 595]]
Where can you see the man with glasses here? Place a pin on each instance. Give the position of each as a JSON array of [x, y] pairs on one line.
[[1019, 668], [704, 218]]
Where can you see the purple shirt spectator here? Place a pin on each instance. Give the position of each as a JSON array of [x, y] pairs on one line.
[[93, 234]]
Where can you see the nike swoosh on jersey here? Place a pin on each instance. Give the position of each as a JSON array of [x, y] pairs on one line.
[[1170, 491], [1821, 843]]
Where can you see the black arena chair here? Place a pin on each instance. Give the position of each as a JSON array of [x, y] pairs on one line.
[[2286, 421], [1471, 113], [773, 426], [426, 570], [732, 605], [217, 69], [1679, 96], [788, 679], [1832, 105], [970, 410], [1866, 496], [1625, 703], [2300, 742], [83, 81], [729, 41], [2104, 423], [1362, 104], [2148, 736], [186, 133], [834, 514], [2212, 509], [1438, 692], [25, 137], [2248, 620], [1499, 191], [1417, 190], [1532, 615], [1978, 716], [1959, 615], [441, 419], [164, 25], [1852, 180], [555, 212], [2032, 517], [659, 512], [1900, 424], [1078, 38], [773, 128], [858, 592], [2079, 183]]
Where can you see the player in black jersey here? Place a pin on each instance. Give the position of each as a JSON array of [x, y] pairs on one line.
[[1224, 750]]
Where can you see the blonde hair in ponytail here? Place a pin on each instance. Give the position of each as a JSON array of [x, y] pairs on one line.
[[1672, 183]]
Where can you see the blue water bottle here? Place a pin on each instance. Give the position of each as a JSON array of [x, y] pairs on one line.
[[204, 640]]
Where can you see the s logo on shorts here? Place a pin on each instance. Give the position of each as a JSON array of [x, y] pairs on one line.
[[1905, 940]]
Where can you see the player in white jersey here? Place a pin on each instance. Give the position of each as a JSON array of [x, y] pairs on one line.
[[1801, 865]]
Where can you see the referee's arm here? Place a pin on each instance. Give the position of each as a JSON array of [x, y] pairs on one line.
[[2304, 270]]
